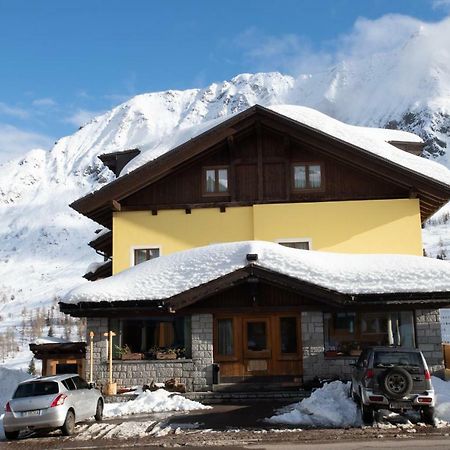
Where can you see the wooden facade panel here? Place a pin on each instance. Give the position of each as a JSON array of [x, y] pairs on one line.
[[274, 162]]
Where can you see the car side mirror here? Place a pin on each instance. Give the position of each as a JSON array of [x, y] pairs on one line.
[[91, 386]]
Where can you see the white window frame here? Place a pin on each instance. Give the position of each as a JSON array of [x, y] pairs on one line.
[[143, 247], [293, 240]]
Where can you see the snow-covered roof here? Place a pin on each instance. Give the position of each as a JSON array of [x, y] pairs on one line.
[[371, 140], [164, 277]]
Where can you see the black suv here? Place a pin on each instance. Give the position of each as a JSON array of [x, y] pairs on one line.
[[396, 378]]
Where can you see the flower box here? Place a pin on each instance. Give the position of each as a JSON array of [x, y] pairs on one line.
[[132, 356]]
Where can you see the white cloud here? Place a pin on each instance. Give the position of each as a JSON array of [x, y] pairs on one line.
[[82, 117], [13, 111], [46, 101], [14, 141], [441, 4]]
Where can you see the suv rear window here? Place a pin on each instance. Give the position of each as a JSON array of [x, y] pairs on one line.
[[36, 388], [383, 359]]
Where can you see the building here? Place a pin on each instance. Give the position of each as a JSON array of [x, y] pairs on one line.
[[290, 177]]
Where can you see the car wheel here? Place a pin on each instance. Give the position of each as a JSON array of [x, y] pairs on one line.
[[367, 413], [69, 424], [427, 414], [396, 383], [99, 411], [12, 435]]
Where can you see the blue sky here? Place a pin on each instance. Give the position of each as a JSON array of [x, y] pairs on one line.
[[64, 61]]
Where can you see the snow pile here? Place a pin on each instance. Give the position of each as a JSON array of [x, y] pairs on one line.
[[331, 406], [442, 391], [152, 402], [327, 407], [164, 277]]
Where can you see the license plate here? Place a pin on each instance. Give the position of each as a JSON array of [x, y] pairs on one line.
[[400, 405], [36, 412]]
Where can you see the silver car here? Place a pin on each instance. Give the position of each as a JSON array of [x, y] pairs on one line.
[[51, 402]]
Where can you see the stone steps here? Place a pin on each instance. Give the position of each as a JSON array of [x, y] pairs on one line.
[[228, 397]]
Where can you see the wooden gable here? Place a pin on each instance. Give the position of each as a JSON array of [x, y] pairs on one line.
[[258, 146], [260, 170]]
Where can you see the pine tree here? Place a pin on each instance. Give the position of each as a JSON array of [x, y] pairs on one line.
[[32, 367]]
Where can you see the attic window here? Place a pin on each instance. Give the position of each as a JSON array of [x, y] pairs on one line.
[[215, 180], [302, 244], [307, 176]]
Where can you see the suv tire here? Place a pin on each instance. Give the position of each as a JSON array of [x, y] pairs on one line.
[[367, 413], [396, 383], [11, 435], [427, 414]]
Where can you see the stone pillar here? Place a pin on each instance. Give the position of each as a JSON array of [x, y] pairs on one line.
[[202, 351], [429, 339], [313, 345], [98, 326]]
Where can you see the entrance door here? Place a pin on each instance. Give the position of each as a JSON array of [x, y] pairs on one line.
[[258, 347]]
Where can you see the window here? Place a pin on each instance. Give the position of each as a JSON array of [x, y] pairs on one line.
[[256, 336], [80, 383], [288, 334], [215, 180], [225, 338], [346, 334], [144, 254], [307, 176], [36, 388], [302, 245], [148, 335]]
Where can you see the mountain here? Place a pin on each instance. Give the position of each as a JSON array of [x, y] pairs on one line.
[[43, 242]]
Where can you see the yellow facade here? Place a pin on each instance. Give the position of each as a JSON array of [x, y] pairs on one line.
[[372, 226]]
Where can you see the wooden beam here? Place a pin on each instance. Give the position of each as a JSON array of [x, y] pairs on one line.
[[259, 148], [232, 179]]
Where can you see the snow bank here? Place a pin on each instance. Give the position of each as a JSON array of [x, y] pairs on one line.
[[331, 407], [442, 391], [152, 402], [164, 277], [327, 407]]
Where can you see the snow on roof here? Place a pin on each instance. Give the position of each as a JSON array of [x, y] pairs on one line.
[[164, 277], [372, 140]]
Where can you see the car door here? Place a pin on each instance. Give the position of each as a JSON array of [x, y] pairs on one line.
[[88, 396]]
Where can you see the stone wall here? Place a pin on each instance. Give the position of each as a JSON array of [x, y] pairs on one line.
[[428, 337], [195, 373]]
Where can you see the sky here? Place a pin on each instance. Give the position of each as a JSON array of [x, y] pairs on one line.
[[63, 62]]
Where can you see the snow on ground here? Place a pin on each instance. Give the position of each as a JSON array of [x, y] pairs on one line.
[[152, 402], [332, 407], [329, 406], [164, 277]]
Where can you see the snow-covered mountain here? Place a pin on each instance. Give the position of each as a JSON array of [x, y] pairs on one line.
[[43, 247]]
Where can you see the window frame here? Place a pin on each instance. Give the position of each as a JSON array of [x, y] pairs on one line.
[[216, 192], [143, 247], [237, 339], [307, 164], [295, 241]]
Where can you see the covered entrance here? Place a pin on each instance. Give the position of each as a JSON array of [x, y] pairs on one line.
[[258, 347]]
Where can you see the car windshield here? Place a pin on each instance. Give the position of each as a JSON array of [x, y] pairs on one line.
[[390, 359], [36, 388]]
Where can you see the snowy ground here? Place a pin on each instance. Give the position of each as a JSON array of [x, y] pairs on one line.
[[332, 407]]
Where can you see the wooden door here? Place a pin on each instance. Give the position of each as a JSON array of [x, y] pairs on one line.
[[258, 347]]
